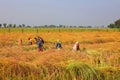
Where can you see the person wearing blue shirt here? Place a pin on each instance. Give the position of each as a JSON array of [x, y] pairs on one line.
[[58, 44]]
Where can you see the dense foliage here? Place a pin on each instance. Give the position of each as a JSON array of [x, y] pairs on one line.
[[115, 25]]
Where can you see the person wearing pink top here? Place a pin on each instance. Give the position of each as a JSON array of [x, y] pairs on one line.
[[76, 46]]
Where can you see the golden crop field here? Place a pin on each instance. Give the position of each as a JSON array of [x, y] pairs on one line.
[[97, 59]]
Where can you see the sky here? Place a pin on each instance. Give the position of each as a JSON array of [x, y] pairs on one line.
[[64, 12]]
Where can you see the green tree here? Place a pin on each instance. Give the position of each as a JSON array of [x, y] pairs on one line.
[[10, 25], [111, 26], [23, 25], [0, 25], [117, 23], [20, 26], [5, 25], [52, 26], [45, 26], [14, 26]]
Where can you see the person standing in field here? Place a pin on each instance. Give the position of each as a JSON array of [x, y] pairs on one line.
[[37, 39], [40, 43], [58, 45], [19, 42], [76, 46]]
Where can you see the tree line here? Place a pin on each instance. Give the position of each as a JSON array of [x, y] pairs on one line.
[[116, 24], [5, 25]]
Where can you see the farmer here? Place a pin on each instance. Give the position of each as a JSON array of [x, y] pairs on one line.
[[38, 38], [58, 45], [30, 41], [40, 43], [76, 46], [19, 42]]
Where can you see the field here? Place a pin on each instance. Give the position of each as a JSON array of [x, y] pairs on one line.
[[97, 59]]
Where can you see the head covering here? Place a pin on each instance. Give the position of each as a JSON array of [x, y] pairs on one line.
[[77, 42], [58, 40]]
